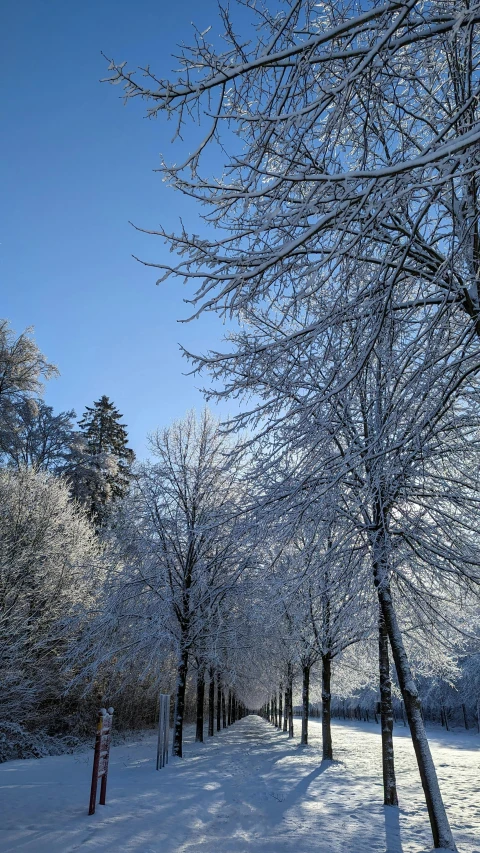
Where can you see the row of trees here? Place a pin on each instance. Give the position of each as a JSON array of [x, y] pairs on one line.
[[345, 243], [247, 565]]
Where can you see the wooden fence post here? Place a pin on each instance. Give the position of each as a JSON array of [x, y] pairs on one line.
[[100, 758]]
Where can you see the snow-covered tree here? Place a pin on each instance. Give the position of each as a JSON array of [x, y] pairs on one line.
[[31, 435], [22, 366], [50, 566], [181, 550], [393, 418], [99, 467]]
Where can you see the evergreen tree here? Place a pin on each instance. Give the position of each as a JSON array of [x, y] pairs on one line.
[[100, 468]]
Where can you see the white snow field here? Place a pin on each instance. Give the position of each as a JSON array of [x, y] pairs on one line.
[[247, 790]]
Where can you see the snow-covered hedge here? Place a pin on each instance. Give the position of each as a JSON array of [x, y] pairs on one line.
[[16, 742]]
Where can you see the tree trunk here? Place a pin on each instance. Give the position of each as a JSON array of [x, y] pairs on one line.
[[180, 703], [219, 703], [224, 711], [229, 709], [290, 708], [285, 711], [200, 704], [280, 708], [275, 718], [386, 715], [305, 703], [442, 834], [327, 749], [211, 702]]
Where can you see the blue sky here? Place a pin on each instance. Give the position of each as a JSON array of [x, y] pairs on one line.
[[76, 166]]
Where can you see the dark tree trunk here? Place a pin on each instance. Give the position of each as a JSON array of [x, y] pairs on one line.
[[200, 704], [224, 711], [285, 711], [180, 703], [211, 702], [219, 703], [386, 715], [442, 834], [280, 708], [275, 718], [327, 749], [305, 703], [290, 708], [229, 710]]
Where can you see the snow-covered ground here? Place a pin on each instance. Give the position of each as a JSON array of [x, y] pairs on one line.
[[248, 790]]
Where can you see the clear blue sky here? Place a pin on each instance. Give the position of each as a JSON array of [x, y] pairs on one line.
[[76, 166]]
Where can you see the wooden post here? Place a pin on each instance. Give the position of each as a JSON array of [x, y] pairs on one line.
[[100, 758]]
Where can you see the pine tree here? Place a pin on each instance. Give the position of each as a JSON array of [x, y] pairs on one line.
[[100, 471]]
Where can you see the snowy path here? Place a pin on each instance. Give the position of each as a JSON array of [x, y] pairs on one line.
[[249, 790]]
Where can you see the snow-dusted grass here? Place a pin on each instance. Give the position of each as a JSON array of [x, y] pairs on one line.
[[247, 790]]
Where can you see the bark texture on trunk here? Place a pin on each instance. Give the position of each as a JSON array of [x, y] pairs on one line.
[[305, 703], [327, 748], [211, 702], [442, 834], [280, 708], [386, 717], [200, 705], [285, 711], [224, 711], [180, 704]]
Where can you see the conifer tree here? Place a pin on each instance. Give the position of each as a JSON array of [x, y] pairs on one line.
[[100, 470]]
